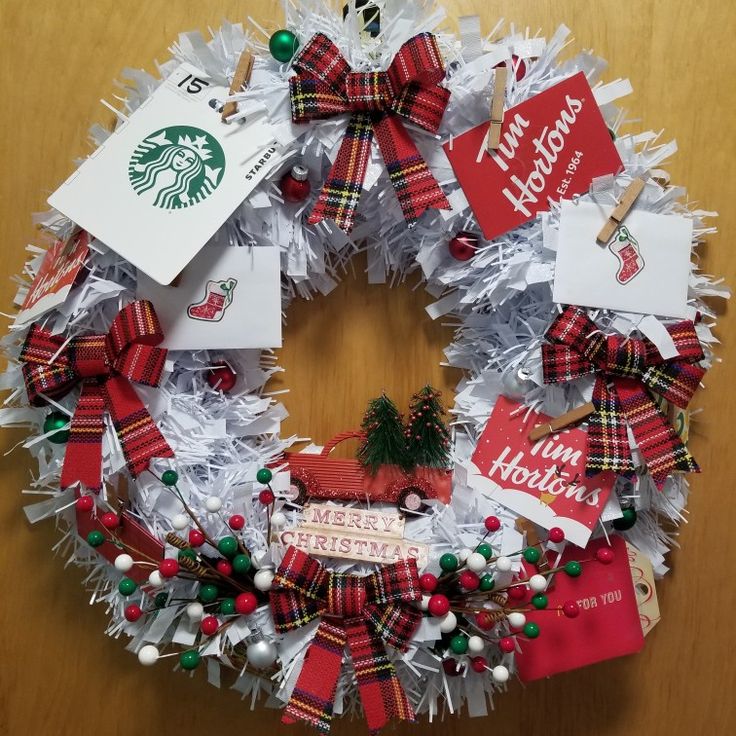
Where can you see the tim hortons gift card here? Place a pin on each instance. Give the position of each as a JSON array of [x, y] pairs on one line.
[[163, 183], [543, 481], [552, 146], [608, 625]]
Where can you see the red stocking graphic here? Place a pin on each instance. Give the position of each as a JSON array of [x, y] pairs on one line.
[[626, 249], [218, 296]]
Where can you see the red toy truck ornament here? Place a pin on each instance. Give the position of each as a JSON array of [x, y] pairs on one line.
[[316, 475]]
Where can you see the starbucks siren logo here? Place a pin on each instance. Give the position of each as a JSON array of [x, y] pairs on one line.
[[177, 167]]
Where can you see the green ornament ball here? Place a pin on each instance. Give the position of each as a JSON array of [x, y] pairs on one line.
[[485, 549], [188, 552], [626, 521], [241, 564], [573, 569], [486, 583], [95, 538], [448, 562], [170, 477], [228, 546], [55, 422], [283, 45], [531, 629], [227, 606], [189, 659], [127, 586], [208, 593], [264, 476], [161, 599], [539, 601], [532, 555], [459, 644]]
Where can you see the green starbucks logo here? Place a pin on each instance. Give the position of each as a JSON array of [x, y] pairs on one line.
[[177, 167]]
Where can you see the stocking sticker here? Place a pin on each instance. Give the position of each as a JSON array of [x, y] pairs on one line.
[[626, 250], [218, 296]]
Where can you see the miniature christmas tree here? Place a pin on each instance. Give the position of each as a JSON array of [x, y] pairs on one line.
[[384, 435], [427, 436]]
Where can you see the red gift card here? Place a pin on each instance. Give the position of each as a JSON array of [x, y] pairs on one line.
[[552, 146], [608, 625], [543, 481], [54, 280]]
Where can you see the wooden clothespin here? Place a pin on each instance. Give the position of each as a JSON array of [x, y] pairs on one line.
[[565, 420], [497, 100], [240, 80], [624, 205]]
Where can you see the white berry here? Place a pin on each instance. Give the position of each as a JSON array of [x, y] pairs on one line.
[[538, 583], [278, 519], [195, 611], [476, 562], [463, 555], [503, 564], [156, 579], [500, 673], [476, 645], [424, 603], [123, 562], [148, 655], [448, 623], [263, 579], [180, 521], [213, 504], [517, 620]]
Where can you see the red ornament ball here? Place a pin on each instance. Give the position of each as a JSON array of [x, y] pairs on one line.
[[266, 497], [469, 580], [133, 612], [604, 555], [516, 63], [438, 605], [556, 535], [517, 592], [110, 520], [236, 522], [570, 609], [224, 567], [221, 377], [463, 246], [246, 603], [209, 625], [507, 644], [196, 538], [168, 567], [428, 582], [492, 523], [484, 621], [479, 664], [451, 667], [85, 503], [294, 185]]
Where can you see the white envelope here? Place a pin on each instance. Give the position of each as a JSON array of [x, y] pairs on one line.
[[160, 186], [644, 268], [228, 297]]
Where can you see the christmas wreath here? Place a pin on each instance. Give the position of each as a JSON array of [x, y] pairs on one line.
[[455, 550]]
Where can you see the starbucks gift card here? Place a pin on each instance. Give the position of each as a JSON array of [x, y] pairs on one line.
[[644, 268], [227, 297], [158, 189]]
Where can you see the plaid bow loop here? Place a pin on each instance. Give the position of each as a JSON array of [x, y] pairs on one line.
[[326, 86], [104, 365], [360, 612], [625, 368]]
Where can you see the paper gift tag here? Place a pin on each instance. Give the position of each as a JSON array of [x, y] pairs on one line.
[[644, 268], [543, 481], [227, 297], [161, 185], [607, 626], [646, 594], [59, 269], [552, 146]]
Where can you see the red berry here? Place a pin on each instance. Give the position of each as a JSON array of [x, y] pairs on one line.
[[246, 603], [221, 377], [85, 503], [451, 667], [479, 664], [484, 621], [604, 555], [570, 609], [463, 246], [428, 582], [110, 520], [224, 567], [168, 567], [196, 538], [469, 580], [438, 605], [266, 497], [517, 592], [556, 535], [492, 523], [209, 625], [236, 522], [507, 644], [133, 612]]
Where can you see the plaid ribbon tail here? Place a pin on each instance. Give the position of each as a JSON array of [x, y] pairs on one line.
[[381, 693], [608, 441], [658, 441]]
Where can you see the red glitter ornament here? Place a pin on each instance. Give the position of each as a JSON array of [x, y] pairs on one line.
[[492, 523], [463, 246], [438, 605], [516, 63], [221, 377], [294, 185]]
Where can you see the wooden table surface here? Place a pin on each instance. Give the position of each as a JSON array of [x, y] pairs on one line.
[[59, 674]]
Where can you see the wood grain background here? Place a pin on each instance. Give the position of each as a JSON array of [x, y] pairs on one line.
[[60, 675]]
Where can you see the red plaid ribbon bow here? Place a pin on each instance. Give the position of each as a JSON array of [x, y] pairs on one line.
[[625, 368], [326, 86], [359, 611], [105, 364]]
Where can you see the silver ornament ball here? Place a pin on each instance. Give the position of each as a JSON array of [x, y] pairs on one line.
[[262, 653]]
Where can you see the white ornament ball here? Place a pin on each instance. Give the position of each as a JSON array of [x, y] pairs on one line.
[[180, 521], [463, 554], [538, 583], [213, 504], [503, 564], [123, 562], [500, 673], [448, 622], [156, 579], [476, 562], [278, 519], [476, 645], [148, 655], [517, 620], [195, 611], [262, 653], [424, 603], [263, 579]]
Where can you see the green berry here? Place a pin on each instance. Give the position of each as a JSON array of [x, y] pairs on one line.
[[189, 659], [127, 586], [459, 644], [227, 606], [486, 583], [228, 546], [161, 599], [264, 476], [188, 552], [241, 564], [170, 477], [95, 538], [626, 521], [573, 569], [208, 593], [485, 549], [539, 601], [532, 555], [531, 629], [448, 562]]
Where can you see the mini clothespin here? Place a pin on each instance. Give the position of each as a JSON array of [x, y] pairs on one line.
[[497, 100], [240, 80], [624, 205], [565, 420]]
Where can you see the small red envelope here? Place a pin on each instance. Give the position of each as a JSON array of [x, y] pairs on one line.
[[608, 625]]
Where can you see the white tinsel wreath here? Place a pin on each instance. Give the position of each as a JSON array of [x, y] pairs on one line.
[[500, 302]]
